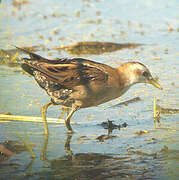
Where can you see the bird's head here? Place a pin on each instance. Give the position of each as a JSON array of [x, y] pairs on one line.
[[138, 73]]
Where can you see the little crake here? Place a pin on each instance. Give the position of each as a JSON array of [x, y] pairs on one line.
[[79, 83]]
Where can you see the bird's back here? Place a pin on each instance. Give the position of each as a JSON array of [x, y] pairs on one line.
[[69, 80]]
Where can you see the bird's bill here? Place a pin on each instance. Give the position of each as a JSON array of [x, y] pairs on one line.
[[155, 83]]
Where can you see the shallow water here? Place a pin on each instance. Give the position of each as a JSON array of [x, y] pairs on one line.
[[153, 152]]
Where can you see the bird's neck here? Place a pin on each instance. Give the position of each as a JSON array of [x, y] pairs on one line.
[[127, 77]]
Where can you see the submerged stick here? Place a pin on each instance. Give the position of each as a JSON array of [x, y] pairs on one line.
[[30, 118], [166, 110], [136, 99], [154, 107], [156, 113]]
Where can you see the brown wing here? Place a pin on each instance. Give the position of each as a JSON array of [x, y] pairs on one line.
[[70, 75], [66, 72]]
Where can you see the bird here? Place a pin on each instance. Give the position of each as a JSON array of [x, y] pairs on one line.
[[76, 83]]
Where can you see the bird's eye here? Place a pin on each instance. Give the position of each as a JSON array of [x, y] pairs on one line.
[[145, 74]]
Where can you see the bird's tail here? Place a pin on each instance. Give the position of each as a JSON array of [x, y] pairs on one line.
[[33, 56]]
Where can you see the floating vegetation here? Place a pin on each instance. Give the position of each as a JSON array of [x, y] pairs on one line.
[[104, 137], [96, 47], [141, 132], [110, 125], [157, 110], [166, 110], [82, 139], [133, 100]]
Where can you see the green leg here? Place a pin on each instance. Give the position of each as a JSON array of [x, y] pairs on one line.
[[44, 112]]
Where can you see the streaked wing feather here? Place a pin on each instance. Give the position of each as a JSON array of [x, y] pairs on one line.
[[70, 75]]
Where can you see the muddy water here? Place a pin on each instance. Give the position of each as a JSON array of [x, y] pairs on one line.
[[139, 151]]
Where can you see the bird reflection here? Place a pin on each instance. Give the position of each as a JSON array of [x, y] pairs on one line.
[[67, 144], [44, 148], [45, 145], [86, 165], [67, 148]]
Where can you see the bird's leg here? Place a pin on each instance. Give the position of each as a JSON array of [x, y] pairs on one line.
[[68, 118], [64, 110], [62, 113], [67, 111], [44, 112]]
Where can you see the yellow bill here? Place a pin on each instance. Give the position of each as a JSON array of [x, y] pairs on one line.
[[155, 83]]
